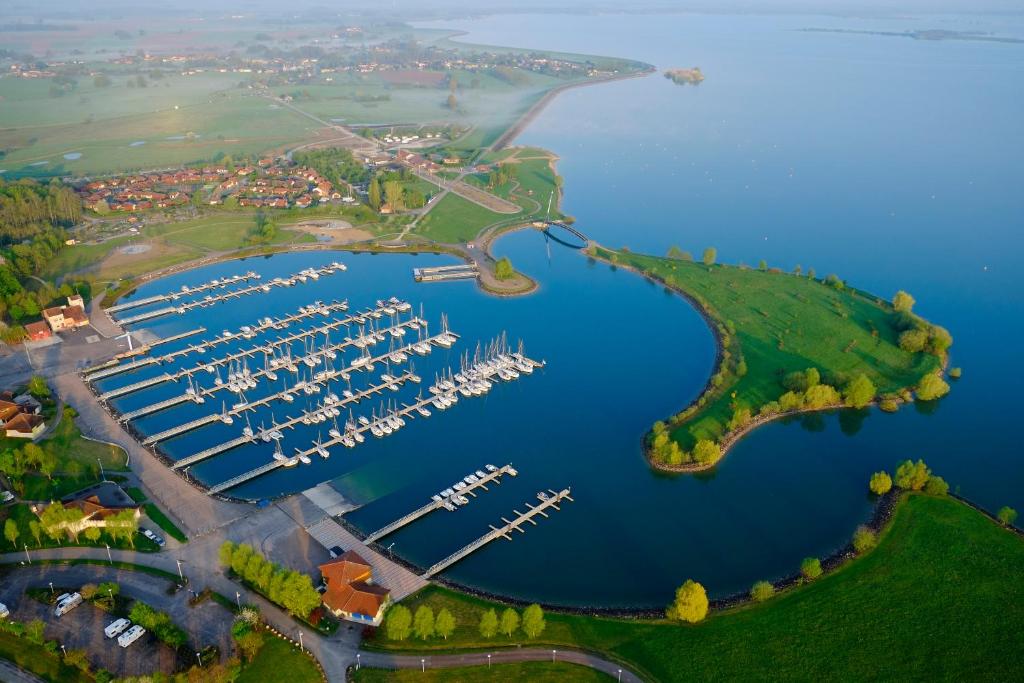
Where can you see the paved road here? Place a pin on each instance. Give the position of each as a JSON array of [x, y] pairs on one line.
[[10, 673], [379, 660]]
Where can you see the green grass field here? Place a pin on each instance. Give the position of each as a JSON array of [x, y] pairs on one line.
[[455, 219], [938, 599], [280, 661], [535, 672], [783, 323], [35, 659]]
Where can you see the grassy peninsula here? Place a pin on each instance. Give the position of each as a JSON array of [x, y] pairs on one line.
[[898, 612], [789, 342]]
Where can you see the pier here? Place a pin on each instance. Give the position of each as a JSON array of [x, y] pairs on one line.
[[548, 501], [485, 371], [302, 276], [184, 291], [494, 476], [442, 273]]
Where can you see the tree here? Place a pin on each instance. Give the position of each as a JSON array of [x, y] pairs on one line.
[[11, 532], [863, 539], [489, 624], [37, 532], [912, 476], [936, 486], [444, 624], [762, 265], [503, 269], [913, 341], [393, 194], [903, 302], [710, 254], [939, 340], [707, 452], [78, 659], [932, 387], [678, 254], [820, 396], [691, 603], [227, 548], [34, 631], [533, 621], [509, 622], [810, 568], [859, 392], [37, 387], [880, 483], [48, 463], [1007, 515], [761, 591], [250, 643], [373, 194], [423, 622], [398, 622]]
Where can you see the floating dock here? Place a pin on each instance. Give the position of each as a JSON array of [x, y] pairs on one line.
[[185, 291], [549, 500], [441, 273], [494, 476]]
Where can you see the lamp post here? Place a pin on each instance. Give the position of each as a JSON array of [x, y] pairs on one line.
[[553, 653], [180, 575], [358, 663], [238, 599], [110, 592], [199, 659], [300, 642], [423, 665], [27, 556], [51, 589], [109, 558], [620, 675], [103, 477], [488, 661], [63, 649]]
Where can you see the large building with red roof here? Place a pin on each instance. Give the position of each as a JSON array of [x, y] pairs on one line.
[[351, 593]]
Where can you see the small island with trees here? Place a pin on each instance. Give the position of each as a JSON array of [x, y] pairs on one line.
[[788, 343], [692, 76]]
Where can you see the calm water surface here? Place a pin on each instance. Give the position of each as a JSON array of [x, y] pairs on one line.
[[892, 162]]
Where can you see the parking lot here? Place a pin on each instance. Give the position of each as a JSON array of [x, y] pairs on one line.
[[82, 627]]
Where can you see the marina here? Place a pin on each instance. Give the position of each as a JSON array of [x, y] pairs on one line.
[[448, 499], [212, 300], [548, 500]]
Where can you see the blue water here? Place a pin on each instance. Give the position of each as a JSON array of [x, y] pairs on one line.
[[894, 163]]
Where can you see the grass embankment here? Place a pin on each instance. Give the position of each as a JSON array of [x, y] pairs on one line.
[[939, 598], [535, 672], [35, 659], [771, 324], [156, 515], [279, 660]]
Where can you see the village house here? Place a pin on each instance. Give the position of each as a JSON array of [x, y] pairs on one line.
[[69, 317], [351, 593], [98, 504], [38, 331]]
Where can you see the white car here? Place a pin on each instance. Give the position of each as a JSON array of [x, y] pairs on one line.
[[153, 537]]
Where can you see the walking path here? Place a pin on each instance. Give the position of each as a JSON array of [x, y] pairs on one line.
[[10, 673], [380, 660]]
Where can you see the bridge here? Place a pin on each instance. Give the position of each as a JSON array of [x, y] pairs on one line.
[[569, 229]]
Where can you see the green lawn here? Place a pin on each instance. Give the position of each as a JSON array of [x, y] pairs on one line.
[[280, 661], [783, 323], [34, 658], [938, 599], [456, 220], [535, 672]]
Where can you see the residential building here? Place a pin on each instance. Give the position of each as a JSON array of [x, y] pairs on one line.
[[351, 593]]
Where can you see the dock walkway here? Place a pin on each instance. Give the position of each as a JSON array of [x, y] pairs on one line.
[[184, 291]]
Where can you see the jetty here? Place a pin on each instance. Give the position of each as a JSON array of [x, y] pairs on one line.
[[219, 283], [548, 501], [442, 273], [493, 475], [211, 300]]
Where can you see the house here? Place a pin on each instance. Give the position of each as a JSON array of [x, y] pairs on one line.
[[38, 330], [98, 504], [351, 593], [25, 426], [8, 410], [68, 317], [28, 404]]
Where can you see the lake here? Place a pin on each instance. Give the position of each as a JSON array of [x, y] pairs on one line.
[[892, 162]]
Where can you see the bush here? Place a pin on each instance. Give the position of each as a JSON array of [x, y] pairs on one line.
[[503, 269], [820, 396], [903, 302], [691, 603], [956, 373], [1007, 515], [936, 486], [864, 539], [761, 591], [881, 483], [932, 387], [707, 452], [859, 392], [913, 341], [810, 568]]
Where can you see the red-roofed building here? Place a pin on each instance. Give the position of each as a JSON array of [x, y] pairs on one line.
[[24, 426], [38, 331], [351, 593]]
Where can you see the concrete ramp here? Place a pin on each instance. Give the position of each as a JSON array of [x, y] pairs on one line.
[[328, 499]]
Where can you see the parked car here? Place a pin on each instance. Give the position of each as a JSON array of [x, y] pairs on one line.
[[335, 552], [4, 612], [67, 604], [6, 496], [156, 538], [130, 636], [117, 628]]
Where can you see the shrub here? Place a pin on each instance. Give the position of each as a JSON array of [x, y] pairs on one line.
[[903, 302], [859, 392], [864, 539], [936, 486], [956, 373], [791, 401], [932, 387], [710, 254], [691, 603], [1007, 515], [761, 591], [881, 483], [939, 340], [889, 404], [707, 452], [503, 269], [810, 568], [912, 476], [820, 396], [913, 341]]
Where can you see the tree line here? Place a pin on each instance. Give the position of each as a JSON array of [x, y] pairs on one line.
[[400, 622], [28, 207], [286, 587]]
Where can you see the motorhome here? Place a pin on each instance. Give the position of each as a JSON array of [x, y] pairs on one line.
[[130, 636], [117, 628]]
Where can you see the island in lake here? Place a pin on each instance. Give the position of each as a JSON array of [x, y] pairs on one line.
[[692, 76]]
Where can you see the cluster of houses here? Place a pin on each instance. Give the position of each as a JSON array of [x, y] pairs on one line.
[[19, 416], [59, 319], [351, 593], [270, 183]]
